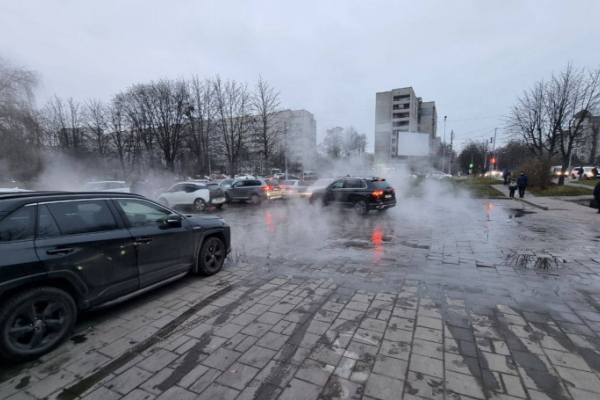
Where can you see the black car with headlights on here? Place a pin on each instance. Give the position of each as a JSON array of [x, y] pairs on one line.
[[361, 194], [67, 252]]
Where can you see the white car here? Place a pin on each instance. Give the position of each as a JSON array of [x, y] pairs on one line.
[[245, 176], [293, 188], [439, 175], [587, 173], [318, 184], [106, 186], [197, 195], [279, 175]]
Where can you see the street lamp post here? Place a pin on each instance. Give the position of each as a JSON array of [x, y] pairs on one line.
[[444, 147]]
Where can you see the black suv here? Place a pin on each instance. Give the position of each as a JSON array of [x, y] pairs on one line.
[[65, 252], [361, 194]]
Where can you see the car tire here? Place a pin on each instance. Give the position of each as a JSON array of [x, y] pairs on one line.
[[164, 202], [255, 199], [361, 207], [227, 198], [34, 322], [212, 256], [219, 206], [199, 205]]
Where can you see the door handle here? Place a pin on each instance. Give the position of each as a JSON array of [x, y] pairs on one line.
[[65, 250], [142, 240]]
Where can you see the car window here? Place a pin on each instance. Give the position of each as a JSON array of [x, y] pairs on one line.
[[142, 213], [176, 188], [47, 226], [254, 183], [18, 225], [353, 184], [337, 185], [191, 188], [77, 217], [380, 185]]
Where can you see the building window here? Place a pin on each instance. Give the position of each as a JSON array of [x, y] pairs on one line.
[[394, 150], [402, 97], [401, 115], [401, 123]]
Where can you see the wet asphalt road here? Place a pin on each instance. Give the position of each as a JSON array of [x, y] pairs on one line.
[[437, 298]]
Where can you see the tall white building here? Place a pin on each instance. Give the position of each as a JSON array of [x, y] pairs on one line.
[[399, 116], [300, 137]]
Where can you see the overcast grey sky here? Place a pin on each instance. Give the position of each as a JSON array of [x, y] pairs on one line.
[[329, 57]]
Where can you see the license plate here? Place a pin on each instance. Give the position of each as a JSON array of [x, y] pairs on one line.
[[388, 196], [219, 200]]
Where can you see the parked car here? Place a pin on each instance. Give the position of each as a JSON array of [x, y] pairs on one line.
[[293, 188], [254, 190], [361, 194], [587, 173], [106, 186], [13, 190], [245, 176], [226, 182], [197, 195], [67, 252], [442, 175], [318, 184], [557, 170], [309, 175]]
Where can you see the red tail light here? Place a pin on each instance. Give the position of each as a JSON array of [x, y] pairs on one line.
[[267, 188], [377, 193], [394, 191]]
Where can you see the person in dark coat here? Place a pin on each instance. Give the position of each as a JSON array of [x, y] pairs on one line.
[[597, 195], [506, 175], [522, 182]]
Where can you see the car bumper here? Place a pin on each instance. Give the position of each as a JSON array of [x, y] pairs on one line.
[[382, 205], [217, 201], [274, 195]]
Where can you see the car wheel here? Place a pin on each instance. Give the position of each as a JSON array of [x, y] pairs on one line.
[[219, 206], [164, 202], [199, 205], [255, 199], [227, 198], [212, 256], [361, 207], [34, 322]]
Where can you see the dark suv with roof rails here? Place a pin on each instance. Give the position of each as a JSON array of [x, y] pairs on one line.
[[66, 252], [361, 194]]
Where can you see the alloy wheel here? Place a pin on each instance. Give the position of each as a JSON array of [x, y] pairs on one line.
[[214, 255], [37, 324]]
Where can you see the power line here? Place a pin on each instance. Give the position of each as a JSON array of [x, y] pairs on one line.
[[475, 119]]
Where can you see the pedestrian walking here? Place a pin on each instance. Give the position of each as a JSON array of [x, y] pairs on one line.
[[580, 173], [512, 188], [597, 195], [506, 176], [522, 182]]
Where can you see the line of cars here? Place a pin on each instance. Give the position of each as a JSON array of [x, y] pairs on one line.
[[574, 173]]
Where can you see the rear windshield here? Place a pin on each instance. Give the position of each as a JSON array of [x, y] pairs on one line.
[[290, 183], [379, 185]]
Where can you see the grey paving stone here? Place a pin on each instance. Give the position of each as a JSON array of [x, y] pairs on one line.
[[128, 380], [228, 331], [192, 376], [238, 376], [383, 387], [177, 393], [257, 329], [51, 384], [314, 372], [342, 389], [273, 341], [102, 393], [463, 384], [277, 373], [398, 335], [392, 367], [157, 360], [221, 359], [138, 394], [205, 380], [299, 390], [427, 365], [425, 386], [399, 350]]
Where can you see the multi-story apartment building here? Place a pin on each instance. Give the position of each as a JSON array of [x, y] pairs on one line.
[[399, 115], [300, 137]]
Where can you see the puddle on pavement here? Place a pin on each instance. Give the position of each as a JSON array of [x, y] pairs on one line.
[[533, 261], [518, 213]]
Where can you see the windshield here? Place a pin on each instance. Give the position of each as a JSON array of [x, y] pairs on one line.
[[321, 183]]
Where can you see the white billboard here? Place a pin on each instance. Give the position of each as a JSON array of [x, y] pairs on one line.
[[413, 144]]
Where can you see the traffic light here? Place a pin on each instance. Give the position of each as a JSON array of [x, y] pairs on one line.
[[471, 165], [493, 160]]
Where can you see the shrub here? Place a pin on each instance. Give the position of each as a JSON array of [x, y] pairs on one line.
[[538, 171]]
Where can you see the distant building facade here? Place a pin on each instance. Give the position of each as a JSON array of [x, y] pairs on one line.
[[400, 112], [588, 149], [299, 137]]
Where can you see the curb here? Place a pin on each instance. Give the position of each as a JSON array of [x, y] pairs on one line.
[[533, 204]]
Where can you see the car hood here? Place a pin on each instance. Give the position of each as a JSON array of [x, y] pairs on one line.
[[205, 221]]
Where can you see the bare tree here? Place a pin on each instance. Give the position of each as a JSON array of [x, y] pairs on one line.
[[20, 139], [232, 104], [201, 120], [267, 128], [64, 126], [354, 143], [96, 124], [550, 117], [333, 144]]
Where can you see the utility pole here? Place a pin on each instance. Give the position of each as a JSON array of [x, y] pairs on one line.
[[444, 146], [451, 152], [285, 129], [494, 146]]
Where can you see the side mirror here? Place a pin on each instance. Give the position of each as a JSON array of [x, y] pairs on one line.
[[174, 221]]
